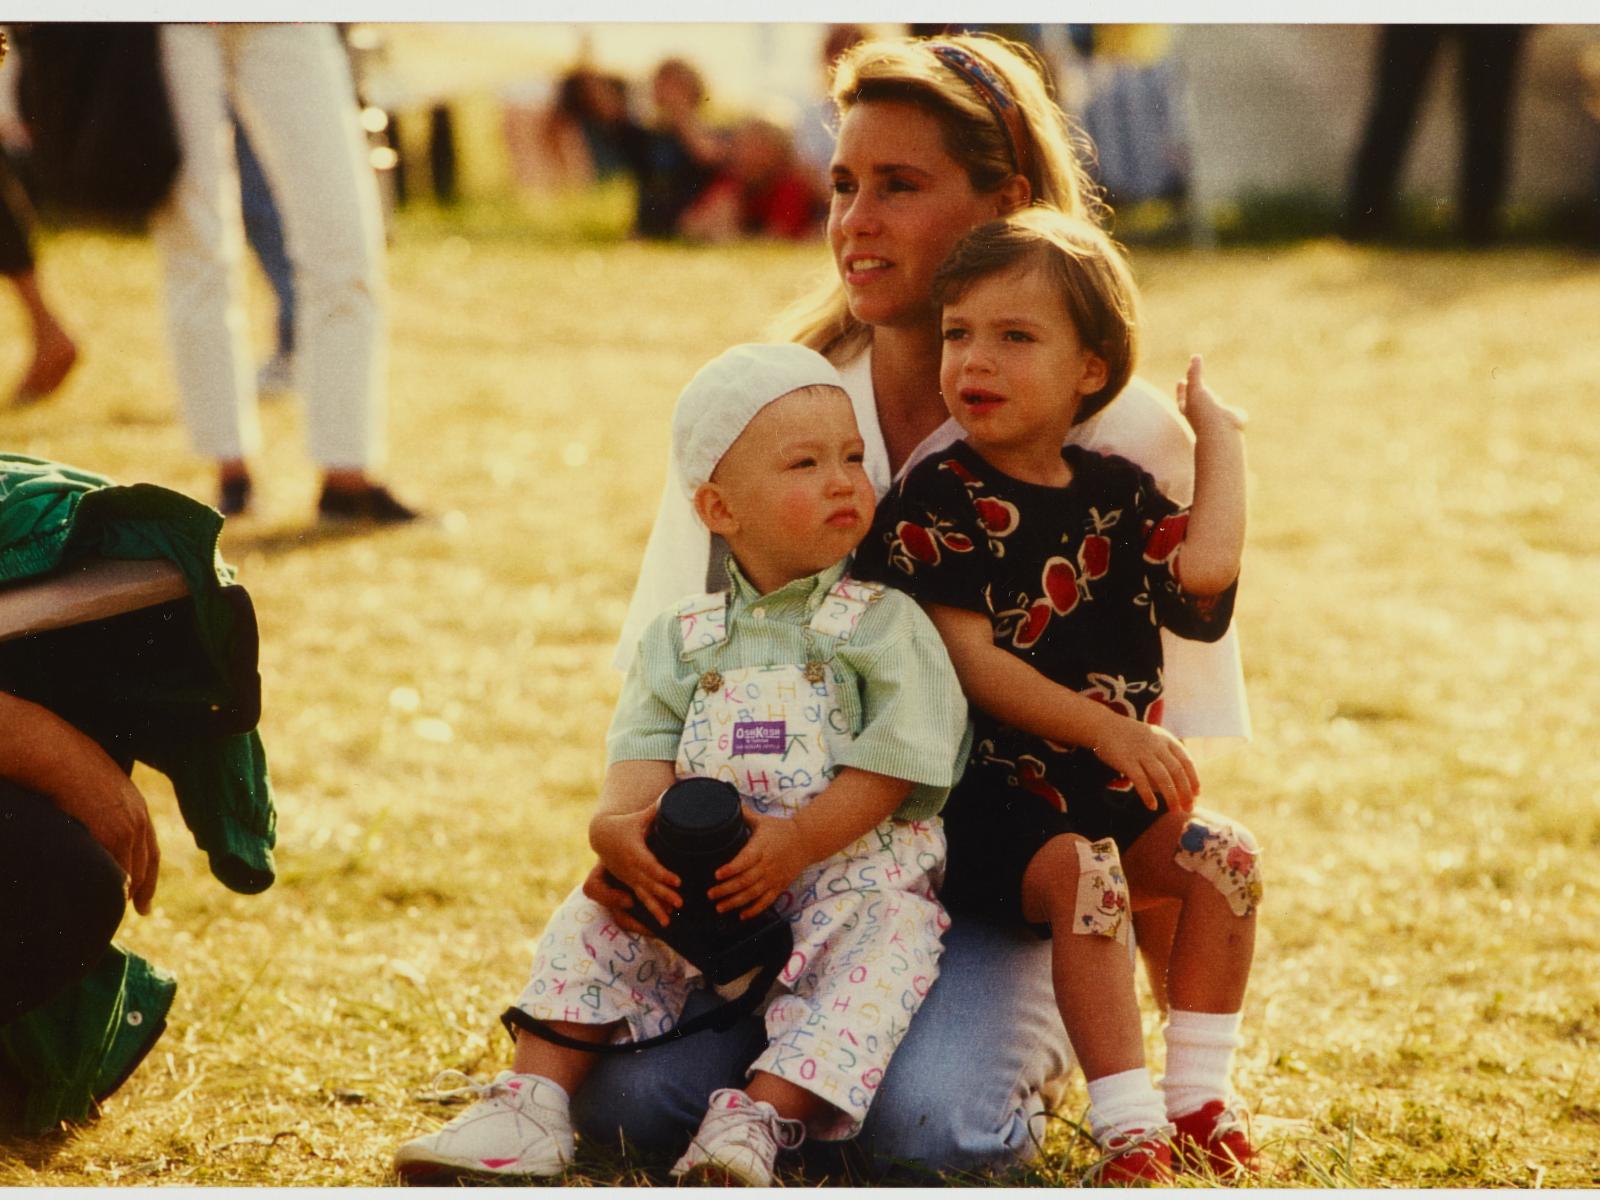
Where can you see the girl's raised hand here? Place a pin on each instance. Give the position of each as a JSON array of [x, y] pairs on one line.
[[1199, 404]]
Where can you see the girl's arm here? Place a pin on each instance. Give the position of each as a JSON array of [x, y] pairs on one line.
[[1213, 546], [1007, 688], [855, 803]]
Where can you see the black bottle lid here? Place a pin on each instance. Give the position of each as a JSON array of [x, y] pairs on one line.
[[699, 817]]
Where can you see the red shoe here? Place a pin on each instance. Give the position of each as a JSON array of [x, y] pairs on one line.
[[1135, 1159], [1217, 1137]]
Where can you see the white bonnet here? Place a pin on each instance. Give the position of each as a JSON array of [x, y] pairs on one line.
[[726, 394]]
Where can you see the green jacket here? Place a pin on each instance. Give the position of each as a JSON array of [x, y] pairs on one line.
[[81, 1045]]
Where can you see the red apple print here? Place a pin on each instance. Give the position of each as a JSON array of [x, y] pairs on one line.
[[999, 517], [1110, 901], [1032, 625], [1030, 775], [1094, 556], [959, 471], [1061, 584], [1152, 715], [1160, 545], [1117, 704], [918, 542], [959, 542], [1240, 860]]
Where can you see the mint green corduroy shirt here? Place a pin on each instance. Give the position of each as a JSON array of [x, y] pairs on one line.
[[893, 678]]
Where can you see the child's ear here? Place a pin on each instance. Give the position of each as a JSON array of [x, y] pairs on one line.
[[1095, 374], [711, 504]]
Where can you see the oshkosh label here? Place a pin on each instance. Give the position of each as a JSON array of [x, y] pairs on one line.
[[758, 737]]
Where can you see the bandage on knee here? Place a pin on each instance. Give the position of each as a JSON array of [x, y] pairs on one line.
[[1102, 904], [1226, 856]]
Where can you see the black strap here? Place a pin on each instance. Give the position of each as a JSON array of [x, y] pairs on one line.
[[721, 1018]]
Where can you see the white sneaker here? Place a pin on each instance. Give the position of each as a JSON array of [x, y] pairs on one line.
[[738, 1140], [520, 1126], [275, 377]]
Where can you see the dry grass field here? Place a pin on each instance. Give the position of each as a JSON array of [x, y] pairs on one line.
[[1420, 643]]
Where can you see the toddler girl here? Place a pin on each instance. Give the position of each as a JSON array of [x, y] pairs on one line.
[[1050, 571]]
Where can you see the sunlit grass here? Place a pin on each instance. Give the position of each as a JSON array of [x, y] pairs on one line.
[[1419, 639]]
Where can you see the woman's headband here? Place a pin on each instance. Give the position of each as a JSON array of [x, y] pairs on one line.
[[986, 81]]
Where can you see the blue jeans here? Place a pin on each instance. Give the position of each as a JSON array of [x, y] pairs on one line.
[[263, 229], [961, 1094]]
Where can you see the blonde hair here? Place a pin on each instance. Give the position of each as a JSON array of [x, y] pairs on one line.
[[1087, 269], [907, 70]]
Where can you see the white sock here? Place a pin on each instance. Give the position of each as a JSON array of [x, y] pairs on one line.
[[1123, 1102], [1199, 1059], [566, 1100]]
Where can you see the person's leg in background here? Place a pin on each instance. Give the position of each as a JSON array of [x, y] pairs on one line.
[[294, 95], [201, 241], [1489, 56], [263, 229], [54, 352], [1405, 55]]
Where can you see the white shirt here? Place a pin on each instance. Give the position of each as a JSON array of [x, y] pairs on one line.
[[1204, 681]]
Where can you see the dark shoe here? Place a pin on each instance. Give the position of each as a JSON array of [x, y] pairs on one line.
[[234, 495], [374, 503]]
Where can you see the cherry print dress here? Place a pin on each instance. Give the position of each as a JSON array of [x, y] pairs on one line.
[[1077, 581]]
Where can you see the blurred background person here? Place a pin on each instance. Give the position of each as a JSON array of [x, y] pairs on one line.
[[575, 141], [1405, 58], [815, 131], [291, 89], [677, 156], [54, 351], [760, 191]]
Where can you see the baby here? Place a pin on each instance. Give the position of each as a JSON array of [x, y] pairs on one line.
[[832, 706]]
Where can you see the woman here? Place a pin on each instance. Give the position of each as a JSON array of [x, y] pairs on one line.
[[935, 137]]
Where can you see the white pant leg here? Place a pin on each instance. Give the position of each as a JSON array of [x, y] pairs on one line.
[[293, 93], [590, 971], [201, 238], [866, 951]]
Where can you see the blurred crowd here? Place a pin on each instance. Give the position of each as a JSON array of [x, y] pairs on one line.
[[698, 168], [750, 176]]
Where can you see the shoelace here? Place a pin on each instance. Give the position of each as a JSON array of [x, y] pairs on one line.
[[460, 1082], [1229, 1120], [1143, 1142], [782, 1132]]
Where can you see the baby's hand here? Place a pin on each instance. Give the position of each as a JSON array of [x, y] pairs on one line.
[[619, 841], [762, 870], [1153, 760], [1200, 406]]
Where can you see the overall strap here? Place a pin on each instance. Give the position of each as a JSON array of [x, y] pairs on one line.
[[842, 608], [702, 621]]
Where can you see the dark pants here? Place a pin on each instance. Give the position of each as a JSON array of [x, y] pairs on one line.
[[263, 229], [1406, 55], [61, 900], [16, 255]]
